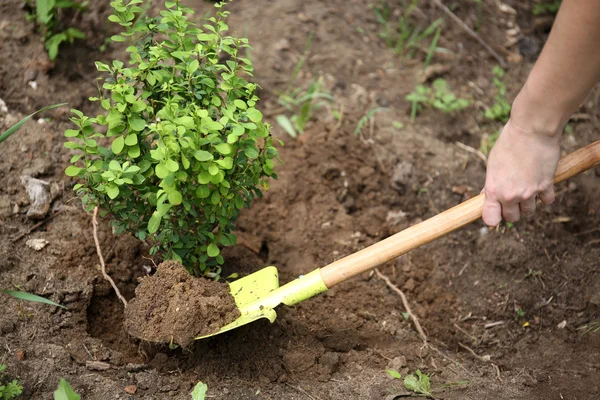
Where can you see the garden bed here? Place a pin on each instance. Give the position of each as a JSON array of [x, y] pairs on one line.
[[493, 303]]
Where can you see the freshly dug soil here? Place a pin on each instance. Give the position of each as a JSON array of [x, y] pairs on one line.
[[173, 306]]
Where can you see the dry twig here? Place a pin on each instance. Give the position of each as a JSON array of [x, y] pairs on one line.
[[404, 302], [471, 150], [104, 274], [34, 227], [471, 33]]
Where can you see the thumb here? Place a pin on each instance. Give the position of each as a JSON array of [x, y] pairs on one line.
[[492, 211]]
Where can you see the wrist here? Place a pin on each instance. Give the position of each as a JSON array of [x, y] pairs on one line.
[[533, 112]]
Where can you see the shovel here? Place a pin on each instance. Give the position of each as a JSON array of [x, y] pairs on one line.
[[257, 294]]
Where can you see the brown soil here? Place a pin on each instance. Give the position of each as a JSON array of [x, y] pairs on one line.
[[514, 296], [172, 306]]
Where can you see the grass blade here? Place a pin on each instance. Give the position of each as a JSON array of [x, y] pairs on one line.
[[31, 297], [287, 125], [15, 127]]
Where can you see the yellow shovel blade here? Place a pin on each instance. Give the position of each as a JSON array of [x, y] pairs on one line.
[[257, 295]]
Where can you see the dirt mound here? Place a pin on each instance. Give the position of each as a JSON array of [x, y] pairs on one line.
[[173, 306]]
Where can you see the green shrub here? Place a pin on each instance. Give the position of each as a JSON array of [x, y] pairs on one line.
[[52, 29], [188, 147], [9, 390]]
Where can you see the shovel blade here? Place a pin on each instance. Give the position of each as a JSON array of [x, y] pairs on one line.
[[257, 295]]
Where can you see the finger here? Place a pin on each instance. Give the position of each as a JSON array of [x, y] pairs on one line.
[[527, 207], [547, 196], [510, 212], [492, 211]]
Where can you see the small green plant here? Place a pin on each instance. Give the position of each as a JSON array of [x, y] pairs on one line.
[[188, 147], [479, 11], [439, 96], [500, 110], [302, 104], [406, 35], [47, 15], [6, 134], [199, 392], [65, 392], [9, 390], [546, 8], [365, 118], [419, 383]]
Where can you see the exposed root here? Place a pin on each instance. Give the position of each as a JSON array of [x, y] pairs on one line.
[[99, 251]]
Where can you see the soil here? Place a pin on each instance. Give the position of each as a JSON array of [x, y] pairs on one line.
[[172, 306], [503, 309]]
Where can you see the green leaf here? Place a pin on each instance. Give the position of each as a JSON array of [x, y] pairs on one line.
[[212, 250], [393, 373], [72, 133], [215, 198], [254, 115], [138, 106], [224, 148], [199, 392], [213, 169], [251, 152], [240, 104], [161, 170], [6, 134], [65, 392], [118, 144], [154, 222], [286, 124], [137, 124], [117, 38], [175, 198], [131, 139], [202, 155], [31, 297], [419, 384], [134, 151], [73, 170], [112, 191], [172, 166], [202, 192], [226, 162]]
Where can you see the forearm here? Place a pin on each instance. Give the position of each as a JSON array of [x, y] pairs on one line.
[[567, 69]]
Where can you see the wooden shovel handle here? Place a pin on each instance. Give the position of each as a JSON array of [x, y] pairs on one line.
[[443, 223]]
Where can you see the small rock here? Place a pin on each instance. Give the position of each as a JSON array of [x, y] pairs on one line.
[[395, 217], [33, 84], [131, 389], [29, 75], [401, 176], [365, 172], [562, 325], [397, 363], [97, 365], [36, 244], [282, 45], [20, 354], [410, 285], [3, 107], [39, 196]]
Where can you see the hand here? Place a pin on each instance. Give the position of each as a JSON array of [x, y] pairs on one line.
[[521, 167]]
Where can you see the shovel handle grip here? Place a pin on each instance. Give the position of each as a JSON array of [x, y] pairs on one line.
[[440, 225]]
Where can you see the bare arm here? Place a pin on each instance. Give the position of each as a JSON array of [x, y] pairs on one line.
[[523, 161]]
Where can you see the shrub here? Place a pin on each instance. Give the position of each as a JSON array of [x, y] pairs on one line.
[[50, 26], [188, 149]]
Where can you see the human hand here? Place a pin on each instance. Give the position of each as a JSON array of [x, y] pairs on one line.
[[521, 167]]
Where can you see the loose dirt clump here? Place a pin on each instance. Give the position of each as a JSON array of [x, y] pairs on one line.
[[173, 306]]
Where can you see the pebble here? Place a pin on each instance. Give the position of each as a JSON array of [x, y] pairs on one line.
[[36, 244], [20, 354], [131, 389]]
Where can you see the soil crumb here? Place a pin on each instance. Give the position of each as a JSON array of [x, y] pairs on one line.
[[172, 305]]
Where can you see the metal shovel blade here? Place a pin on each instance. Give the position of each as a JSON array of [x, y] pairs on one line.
[[257, 295]]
